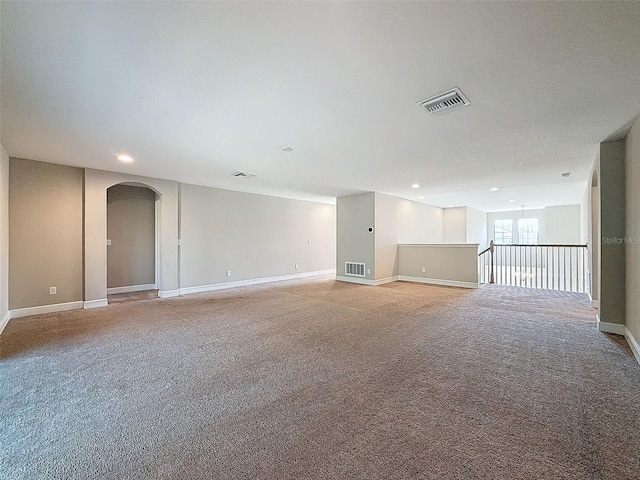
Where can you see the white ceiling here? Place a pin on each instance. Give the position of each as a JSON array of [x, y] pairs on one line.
[[197, 91]]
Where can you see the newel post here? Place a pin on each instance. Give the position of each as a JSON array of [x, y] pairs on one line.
[[491, 276]]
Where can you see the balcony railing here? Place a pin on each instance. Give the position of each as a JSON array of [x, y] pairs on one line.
[[549, 267]]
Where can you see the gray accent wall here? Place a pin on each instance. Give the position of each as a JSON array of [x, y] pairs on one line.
[[252, 236], [131, 256], [612, 231], [45, 233], [4, 235], [632, 164], [355, 214]]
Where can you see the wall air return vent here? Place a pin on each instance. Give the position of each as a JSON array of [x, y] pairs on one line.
[[242, 175], [445, 102], [354, 269]]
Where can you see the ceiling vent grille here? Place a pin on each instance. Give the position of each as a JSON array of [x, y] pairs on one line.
[[445, 102], [242, 175]]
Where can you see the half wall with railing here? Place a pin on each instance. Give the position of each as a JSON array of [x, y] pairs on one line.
[[549, 267]]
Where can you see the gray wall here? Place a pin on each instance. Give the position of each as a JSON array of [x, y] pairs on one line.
[[355, 214], [465, 225], [45, 233], [131, 215], [253, 236], [398, 220], [594, 233], [562, 224], [96, 183], [4, 236], [455, 225], [612, 228], [477, 227], [453, 263], [632, 163]]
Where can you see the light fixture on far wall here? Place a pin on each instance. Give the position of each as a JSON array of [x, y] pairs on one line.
[[415, 185], [125, 158]]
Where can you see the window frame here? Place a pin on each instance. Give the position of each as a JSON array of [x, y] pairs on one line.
[[502, 234], [525, 239]]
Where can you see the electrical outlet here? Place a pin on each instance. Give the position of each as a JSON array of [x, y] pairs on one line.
[[424, 269], [296, 265], [228, 273], [53, 290], [108, 242], [368, 271], [309, 240]]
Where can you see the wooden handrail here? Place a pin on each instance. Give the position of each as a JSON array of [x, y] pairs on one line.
[[538, 245]]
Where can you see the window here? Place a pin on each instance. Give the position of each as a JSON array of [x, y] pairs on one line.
[[503, 232], [528, 231]]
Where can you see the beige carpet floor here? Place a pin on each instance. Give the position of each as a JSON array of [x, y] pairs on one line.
[[317, 379]]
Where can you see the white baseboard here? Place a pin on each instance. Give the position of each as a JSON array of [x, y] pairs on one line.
[[438, 281], [359, 281], [168, 293], [102, 302], [132, 288], [382, 281], [252, 281], [4, 321], [608, 327], [633, 343], [39, 310]]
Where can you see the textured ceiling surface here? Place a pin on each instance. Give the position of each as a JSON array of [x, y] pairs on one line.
[[198, 91]]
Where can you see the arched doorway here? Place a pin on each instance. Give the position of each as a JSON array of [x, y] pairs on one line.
[[132, 242], [97, 182]]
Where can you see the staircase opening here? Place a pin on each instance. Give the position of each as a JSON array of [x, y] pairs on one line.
[[547, 267]]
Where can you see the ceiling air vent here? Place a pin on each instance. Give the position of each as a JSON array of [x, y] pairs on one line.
[[445, 102], [242, 175]]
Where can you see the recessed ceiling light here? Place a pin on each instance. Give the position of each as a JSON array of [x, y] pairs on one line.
[[566, 174], [512, 200], [450, 206], [420, 198], [286, 149], [125, 158], [415, 185], [494, 189]]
